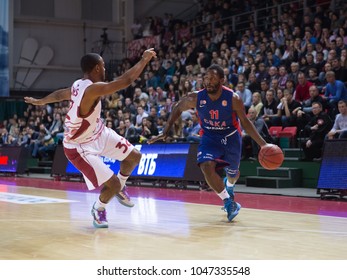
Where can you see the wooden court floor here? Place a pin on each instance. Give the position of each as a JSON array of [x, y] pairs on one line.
[[47, 220]]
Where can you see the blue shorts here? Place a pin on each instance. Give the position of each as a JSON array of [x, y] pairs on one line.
[[225, 151]]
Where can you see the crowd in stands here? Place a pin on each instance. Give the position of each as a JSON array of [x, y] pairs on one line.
[[291, 74]]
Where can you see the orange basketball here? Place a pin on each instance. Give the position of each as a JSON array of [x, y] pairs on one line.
[[270, 156]]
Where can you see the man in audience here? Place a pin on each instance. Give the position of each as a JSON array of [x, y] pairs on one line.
[[302, 89], [334, 92], [316, 130], [250, 148], [192, 129], [269, 110], [289, 109], [339, 129], [245, 95]]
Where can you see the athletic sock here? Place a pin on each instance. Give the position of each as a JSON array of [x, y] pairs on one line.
[[230, 184], [98, 204], [224, 194], [122, 179]]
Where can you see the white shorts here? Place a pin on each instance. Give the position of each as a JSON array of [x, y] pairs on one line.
[[86, 157]]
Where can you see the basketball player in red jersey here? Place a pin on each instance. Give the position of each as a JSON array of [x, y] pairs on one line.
[[219, 110], [86, 138]]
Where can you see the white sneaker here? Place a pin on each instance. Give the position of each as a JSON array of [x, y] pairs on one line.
[[124, 198], [99, 215]]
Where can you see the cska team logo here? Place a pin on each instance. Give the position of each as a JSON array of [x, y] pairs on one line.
[[224, 103]]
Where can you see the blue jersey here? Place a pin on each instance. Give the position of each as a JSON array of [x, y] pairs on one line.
[[217, 119], [221, 140]]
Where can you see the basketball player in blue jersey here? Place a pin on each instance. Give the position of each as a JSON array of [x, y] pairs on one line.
[[219, 110]]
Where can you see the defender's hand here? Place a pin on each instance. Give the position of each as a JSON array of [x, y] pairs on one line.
[[34, 101], [157, 138], [149, 54]]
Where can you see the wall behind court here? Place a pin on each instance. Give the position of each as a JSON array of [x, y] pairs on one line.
[[73, 28]]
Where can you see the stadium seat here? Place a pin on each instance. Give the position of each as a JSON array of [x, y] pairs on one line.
[[275, 131], [288, 137]]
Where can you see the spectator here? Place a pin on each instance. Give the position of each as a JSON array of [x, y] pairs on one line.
[[293, 75], [289, 109], [269, 110], [161, 94], [161, 123], [264, 87], [314, 97], [322, 75], [136, 29], [272, 59], [316, 130], [250, 147], [257, 105], [141, 113], [310, 63], [245, 94], [263, 73], [57, 125], [273, 75], [339, 129], [38, 142], [147, 130], [192, 129], [320, 62], [47, 149], [313, 78], [131, 133], [283, 77], [121, 128], [334, 92], [302, 89], [340, 72], [4, 137], [129, 106], [253, 85]]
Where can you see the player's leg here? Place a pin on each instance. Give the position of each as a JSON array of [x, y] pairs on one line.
[[212, 178], [126, 168], [209, 155], [230, 182], [232, 155], [110, 188], [119, 148], [233, 151], [95, 173]]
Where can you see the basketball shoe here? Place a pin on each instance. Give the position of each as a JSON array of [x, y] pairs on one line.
[[232, 208], [99, 216], [124, 198]]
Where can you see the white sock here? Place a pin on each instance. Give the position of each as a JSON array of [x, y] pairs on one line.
[[122, 179], [98, 204], [224, 194], [230, 185]]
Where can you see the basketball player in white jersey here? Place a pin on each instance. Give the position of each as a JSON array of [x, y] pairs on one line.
[[86, 138]]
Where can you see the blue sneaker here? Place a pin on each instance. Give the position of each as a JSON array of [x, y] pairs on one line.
[[230, 190], [232, 208], [99, 215]]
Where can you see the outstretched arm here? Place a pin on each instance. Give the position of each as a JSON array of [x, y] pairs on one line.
[[239, 108], [100, 89], [55, 96], [186, 103]]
